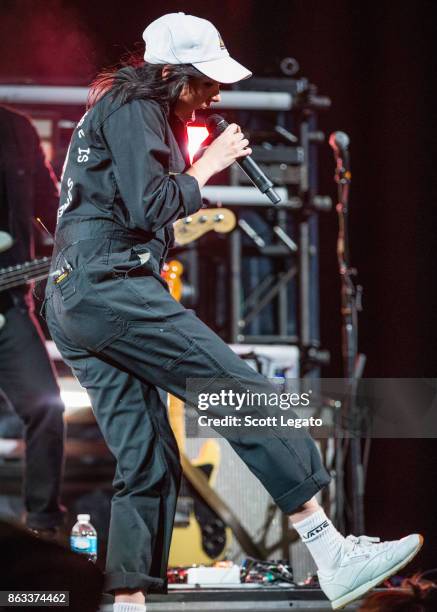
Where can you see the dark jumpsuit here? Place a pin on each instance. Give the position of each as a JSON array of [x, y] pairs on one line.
[[128, 340]]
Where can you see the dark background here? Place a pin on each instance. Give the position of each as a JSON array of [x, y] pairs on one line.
[[376, 61]]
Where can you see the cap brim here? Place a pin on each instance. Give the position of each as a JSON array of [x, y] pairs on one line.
[[223, 70]]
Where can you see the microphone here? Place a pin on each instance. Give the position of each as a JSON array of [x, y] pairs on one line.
[[216, 125], [339, 141]]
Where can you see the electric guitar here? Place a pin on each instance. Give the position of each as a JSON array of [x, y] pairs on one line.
[[22, 274], [191, 228]]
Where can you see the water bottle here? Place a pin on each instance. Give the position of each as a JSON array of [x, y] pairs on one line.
[[83, 538]]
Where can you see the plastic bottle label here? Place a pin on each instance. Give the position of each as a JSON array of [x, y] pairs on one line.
[[86, 545]]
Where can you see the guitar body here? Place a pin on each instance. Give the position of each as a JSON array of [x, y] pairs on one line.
[[186, 545], [204, 537]]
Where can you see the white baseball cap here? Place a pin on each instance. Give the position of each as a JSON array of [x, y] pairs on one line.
[[177, 38]]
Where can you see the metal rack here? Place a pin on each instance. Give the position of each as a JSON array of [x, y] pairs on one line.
[[272, 255]]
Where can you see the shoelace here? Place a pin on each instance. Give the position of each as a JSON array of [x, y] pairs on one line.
[[354, 543], [363, 540]]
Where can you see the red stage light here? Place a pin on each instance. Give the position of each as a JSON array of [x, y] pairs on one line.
[[196, 135]]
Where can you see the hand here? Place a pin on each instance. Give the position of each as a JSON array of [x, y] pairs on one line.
[[221, 153], [226, 148]]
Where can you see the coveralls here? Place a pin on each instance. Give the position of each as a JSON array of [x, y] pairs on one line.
[[127, 339]]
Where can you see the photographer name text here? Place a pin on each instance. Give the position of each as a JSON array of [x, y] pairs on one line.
[[251, 421]]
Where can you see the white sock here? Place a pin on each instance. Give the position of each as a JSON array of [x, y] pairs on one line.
[[322, 539], [129, 607]]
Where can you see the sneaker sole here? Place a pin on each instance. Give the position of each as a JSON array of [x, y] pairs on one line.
[[341, 602]]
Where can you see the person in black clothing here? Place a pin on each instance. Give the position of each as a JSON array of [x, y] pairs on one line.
[[127, 178], [28, 189]]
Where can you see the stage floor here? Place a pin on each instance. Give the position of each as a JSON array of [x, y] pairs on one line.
[[238, 599]]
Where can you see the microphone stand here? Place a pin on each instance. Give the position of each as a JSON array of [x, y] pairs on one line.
[[353, 362]]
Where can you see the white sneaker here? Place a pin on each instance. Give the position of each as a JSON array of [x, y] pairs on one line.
[[366, 562]]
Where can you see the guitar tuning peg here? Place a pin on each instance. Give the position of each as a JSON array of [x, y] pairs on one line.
[[219, 217]]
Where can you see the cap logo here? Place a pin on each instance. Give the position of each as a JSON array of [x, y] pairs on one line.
[[221, 43]]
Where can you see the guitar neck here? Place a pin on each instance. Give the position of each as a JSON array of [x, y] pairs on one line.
[[21, 274]]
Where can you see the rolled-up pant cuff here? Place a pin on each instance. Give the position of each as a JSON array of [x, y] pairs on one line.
[[45, 520], [117, 581], [294, 498]]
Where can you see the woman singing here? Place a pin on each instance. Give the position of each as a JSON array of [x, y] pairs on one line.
[[126, 180]]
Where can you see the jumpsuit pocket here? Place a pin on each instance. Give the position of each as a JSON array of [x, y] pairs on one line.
[[86, 318], [72, 289], [136, 261], [68, 286]]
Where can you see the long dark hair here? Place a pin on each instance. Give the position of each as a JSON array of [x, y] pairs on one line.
[[134, 79]]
